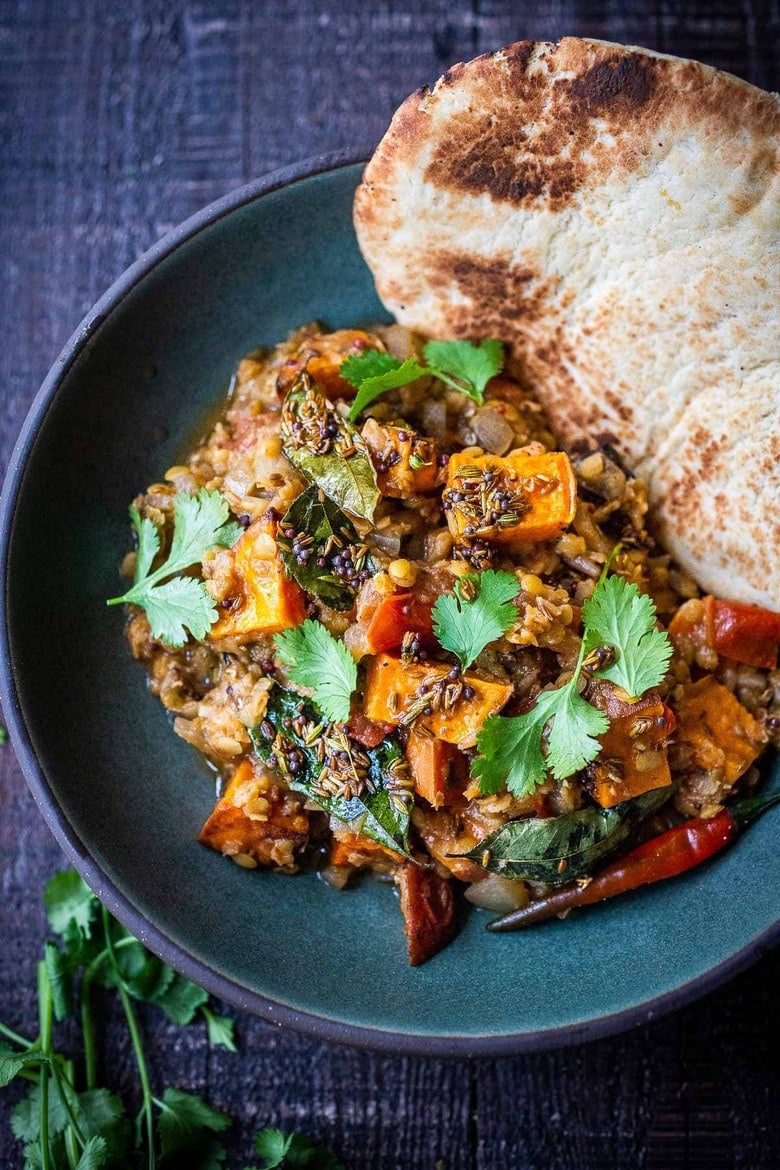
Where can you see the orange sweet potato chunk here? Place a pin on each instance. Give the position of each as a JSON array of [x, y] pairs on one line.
[[428, 907], [543, 485], [265, 601], [406, 463], [252, 825], [392, 684], [719, 731]]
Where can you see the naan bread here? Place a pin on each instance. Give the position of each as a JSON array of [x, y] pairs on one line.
[[613, 215]]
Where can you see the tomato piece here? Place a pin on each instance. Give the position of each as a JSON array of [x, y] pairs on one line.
[[745, 633], [395, 614], [367, 731]]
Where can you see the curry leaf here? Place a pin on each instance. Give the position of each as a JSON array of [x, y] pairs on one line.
[[559, 849], [329, 532], [382, 809], [328, 450]]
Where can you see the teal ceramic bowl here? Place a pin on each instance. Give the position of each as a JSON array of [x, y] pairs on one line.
[[125, 797]]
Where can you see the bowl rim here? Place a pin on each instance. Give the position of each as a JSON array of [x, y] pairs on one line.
[[237, 994]]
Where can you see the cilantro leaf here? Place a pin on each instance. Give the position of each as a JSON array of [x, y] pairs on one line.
[[200, 522], [12, 1063], [618, 615], [220, 1029], [401, 374], [94, 1155], [69, 901], [183, 1118], [465, 626], [177, 605], [285, 1151], [181, 999], [148, 543], [510, 748], [510, 755], [571, 743], [372, 363], [272, 1145], [465, 366], [59, 975], [317, 662], [461, 364]]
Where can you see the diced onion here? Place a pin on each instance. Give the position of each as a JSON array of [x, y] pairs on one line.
[[498, 894], [492, 431]]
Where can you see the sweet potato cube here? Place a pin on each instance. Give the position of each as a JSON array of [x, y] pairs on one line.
[[392, 686], [515, 499], [256, 826], [361, 852], [406, 463], [264, 601], [395, 614], [717, 729], [633, 756], [428, 907], [432, 763], [321, 356]]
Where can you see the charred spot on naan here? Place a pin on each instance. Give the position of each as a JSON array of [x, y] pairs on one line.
[[502, 291], [545, 158]]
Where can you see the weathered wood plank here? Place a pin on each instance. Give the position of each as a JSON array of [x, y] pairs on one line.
[[116, 121]]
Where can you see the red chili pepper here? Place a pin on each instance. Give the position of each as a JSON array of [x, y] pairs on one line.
[[673, 852]]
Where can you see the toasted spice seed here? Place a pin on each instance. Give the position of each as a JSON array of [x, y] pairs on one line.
[[598, 659], [563, 865], [434, 694], [468, 589], [486, 858], [485, 500]]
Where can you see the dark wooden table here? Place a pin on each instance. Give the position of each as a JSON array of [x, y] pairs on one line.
[[118, 118]]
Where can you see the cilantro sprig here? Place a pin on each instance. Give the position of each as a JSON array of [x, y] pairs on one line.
[[317, 662], [460, 364], [479, 611], [63, 1125], [67, 1121], [559, 734], [173, 604], [618, 615]]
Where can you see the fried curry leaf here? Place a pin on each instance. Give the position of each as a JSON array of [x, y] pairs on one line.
[[560, 849], [327, 450], [381, 810], [328, 533]]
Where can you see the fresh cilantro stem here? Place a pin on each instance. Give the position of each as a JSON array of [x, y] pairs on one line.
[[85, 1008], [135, 1036], [143, 1073], [44, 1023], [88, 1031], [73, 1133], [14, 1037]]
